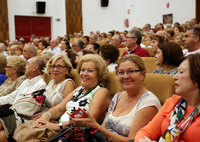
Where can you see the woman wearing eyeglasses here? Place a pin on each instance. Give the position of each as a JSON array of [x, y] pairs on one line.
[[90, 96], [130, 109], [15, 74], [59, 68]]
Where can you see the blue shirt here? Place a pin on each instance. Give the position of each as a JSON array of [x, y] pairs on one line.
[[2, 78]]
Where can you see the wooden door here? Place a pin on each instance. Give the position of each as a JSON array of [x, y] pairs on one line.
[[4, 31], [73, 16], [26, 27]]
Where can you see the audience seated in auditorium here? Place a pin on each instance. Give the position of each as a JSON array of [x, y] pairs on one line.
[[167, 58], [179, 39], [35, 42], [15, 69], [29, 52], [156, 39], [64, 45], [46, 55], [146, 28], [159, 27], [193, 21], [77, 45], [134, 38], [94, 47], [54, 46], [3, 49], [93, 38], [92, 70], [191, 41], [34, 70], [86, 40], [82, 53], [48, 39], [123, 35], [129, 110], [177, 30], [42, 45], [59, 68], [178, 119], [116, 41], [110, 35], [71, 54], [110, 54], [12, 50], [19, 50], [3, 62]]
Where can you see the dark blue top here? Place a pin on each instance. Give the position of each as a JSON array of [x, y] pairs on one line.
[[2, 78]]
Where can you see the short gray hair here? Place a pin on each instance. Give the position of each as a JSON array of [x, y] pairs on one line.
[[137, 34], [3, 45], [119, 38], [32, 48], [80, 43], [47, 54]]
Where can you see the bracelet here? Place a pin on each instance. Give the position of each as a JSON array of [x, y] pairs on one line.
[[111, 137], [48, 113]]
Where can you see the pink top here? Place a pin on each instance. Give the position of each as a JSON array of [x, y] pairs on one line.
[[159, 124]]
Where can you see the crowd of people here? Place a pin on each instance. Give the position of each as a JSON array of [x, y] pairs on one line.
[[132, 114]]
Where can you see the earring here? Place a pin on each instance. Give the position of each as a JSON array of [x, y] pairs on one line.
[[196, 84]]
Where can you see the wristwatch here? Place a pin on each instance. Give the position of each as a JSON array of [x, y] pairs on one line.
[[60, 125]]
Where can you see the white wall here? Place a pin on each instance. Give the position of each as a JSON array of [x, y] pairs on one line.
[[54, 9], [104, 19]]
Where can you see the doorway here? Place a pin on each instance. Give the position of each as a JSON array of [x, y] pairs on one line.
[[27, 27]]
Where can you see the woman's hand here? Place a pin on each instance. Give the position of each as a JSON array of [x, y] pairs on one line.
[[146, 139], [45, 124], [85, 122], [37, 116]]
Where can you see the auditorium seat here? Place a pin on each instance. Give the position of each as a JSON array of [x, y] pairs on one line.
[[150, 64]]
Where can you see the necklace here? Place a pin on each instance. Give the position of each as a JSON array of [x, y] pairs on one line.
[[54, 86]]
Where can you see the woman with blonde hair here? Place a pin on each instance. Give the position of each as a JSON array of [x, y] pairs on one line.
[[130, 109], [90, 96], [15, 70]]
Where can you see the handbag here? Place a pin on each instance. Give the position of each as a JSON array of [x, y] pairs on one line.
[[25, 133], [29, 104], [78, 134]]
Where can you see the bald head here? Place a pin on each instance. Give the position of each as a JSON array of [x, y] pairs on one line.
[[54, 43]]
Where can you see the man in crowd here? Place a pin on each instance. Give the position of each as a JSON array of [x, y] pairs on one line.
[[147, 28], [29, 52], [34, 70], [133, 40], [191, 41], [194, 22], [93, 38], [159, 27], [54, 46], [77, 45], [47, 40], [116, 41]]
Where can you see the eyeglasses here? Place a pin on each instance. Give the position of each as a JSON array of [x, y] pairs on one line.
[[128, 72], [59, 67], [8, 67], [128, 37], [74, 45]]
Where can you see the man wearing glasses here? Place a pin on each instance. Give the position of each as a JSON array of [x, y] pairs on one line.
[[133, 40]]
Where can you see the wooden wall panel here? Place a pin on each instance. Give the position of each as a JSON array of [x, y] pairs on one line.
[[73, 16], [198, 11], [4, 32]]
